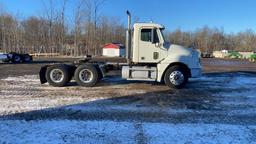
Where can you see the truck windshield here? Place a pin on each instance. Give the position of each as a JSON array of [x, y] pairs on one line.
[[163, 35], [166, 44]]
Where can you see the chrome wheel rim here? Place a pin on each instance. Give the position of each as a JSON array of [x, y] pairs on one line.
[[176, 78], [57, 75], [85, 76]]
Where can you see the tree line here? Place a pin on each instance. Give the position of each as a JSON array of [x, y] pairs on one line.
[[54, 31], [213, 39]]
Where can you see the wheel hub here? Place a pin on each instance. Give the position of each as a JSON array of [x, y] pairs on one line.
[[17, 58], [27, 58], [176, 77], [86, 76], [57, 75]]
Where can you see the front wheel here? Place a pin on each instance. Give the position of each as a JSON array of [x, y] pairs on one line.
[[86, 75], [176, 77]]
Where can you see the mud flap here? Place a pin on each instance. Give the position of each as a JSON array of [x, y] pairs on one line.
[[100, 71], [42, 74], [71, 71]]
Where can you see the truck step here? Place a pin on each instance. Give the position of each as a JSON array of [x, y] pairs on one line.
[[140, 79]]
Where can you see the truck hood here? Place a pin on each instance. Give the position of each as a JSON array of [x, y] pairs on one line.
[[188, 56], [180, 50]]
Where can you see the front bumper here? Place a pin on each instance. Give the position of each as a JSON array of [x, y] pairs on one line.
[[196, 72]]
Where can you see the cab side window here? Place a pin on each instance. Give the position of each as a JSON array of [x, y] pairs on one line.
[[146, 35], [149, 35]]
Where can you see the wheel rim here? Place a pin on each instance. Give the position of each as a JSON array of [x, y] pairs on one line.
[[17, 58], [85, 76], [176, 78], [27, 58], [57, 75]]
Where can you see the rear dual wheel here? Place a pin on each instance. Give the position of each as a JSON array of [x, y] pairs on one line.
[[58, 75], [87, 75], [16, 58], [27, 58]]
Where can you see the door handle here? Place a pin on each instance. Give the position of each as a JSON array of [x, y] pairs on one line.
[[155, 55]]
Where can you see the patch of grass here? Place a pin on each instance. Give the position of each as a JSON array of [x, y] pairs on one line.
[[235, 55], [253, 58]]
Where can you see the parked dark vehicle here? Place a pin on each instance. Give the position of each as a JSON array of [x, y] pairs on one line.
[[15, 57], [206, 55]]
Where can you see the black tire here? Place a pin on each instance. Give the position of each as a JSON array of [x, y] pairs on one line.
[[26, 58], [176, 77], [57, 81], [91, 78], [16, 58]]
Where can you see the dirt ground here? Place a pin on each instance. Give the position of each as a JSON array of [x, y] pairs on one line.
[[219, 107], [209, 65]]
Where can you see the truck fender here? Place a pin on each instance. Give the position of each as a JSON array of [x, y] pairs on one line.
[[165, 67], [100, 71], [42, 74]]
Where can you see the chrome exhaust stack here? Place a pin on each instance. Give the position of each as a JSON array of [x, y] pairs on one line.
[[128, 39]]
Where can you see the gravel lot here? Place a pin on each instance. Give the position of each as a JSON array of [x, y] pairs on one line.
[[219, 107]]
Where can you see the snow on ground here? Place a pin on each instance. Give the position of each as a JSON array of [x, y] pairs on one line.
[[93, 132], [216, 108], [66, 132], [199, 133], [233, 84], [25, 93]]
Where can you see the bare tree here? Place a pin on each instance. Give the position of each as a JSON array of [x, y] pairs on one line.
[[89, 30]]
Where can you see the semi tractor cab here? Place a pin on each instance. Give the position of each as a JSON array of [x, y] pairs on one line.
[[149, 58]]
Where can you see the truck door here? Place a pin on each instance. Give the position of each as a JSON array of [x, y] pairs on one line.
[[149, 46]]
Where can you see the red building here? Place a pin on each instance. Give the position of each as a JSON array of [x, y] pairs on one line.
[[114, 50]]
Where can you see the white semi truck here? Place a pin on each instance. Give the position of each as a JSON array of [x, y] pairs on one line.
[[149, 58]]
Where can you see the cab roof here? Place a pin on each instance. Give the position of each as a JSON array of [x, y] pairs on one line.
[[138, 25]]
